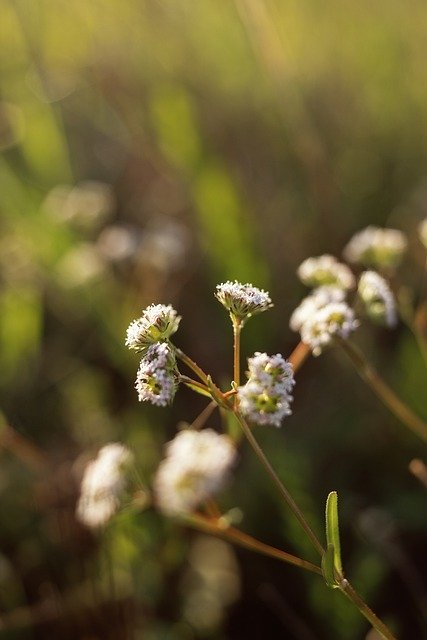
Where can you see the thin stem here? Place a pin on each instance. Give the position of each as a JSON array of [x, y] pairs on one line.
[[376, 623], [216, 527], [193, 383], [192, 365], [237, 327], [280, 486], [383, 391], [23, 449], [299, 355], [204, 415]]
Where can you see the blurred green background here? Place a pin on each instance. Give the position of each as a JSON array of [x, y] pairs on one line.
[[151, 149]]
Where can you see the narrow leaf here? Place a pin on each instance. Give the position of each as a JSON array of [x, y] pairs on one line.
[[328, 563], [332, 529]]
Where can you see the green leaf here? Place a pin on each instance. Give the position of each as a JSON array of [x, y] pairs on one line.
[[193, 387], [328, 567], [332, 529]]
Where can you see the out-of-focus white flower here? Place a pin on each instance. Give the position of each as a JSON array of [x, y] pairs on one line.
[[196, 466], [158, 322], [265, 398], [156, 378], [242, 300], [87, 205], [312, 303], [325, 270], [80, 266], [376, 247], [378, 298], [422, 232], [103, 485], [118, 242], [334, 319]]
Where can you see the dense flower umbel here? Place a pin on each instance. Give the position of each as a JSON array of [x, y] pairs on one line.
[[265, 398], [376, 247], [321, 316], [334, 319], [157, 375], [103, 484], [157, 323], [196, 467], [242, 300], [318, 299], [325, 270], [378, 298]]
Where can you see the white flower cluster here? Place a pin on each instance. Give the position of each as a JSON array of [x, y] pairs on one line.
[[242, 300], [103, 484], [376, 247], [157, 322], [422, 232], [156, 378], [321, 316], [265, 399], [325, 270], [196, 466], [378, 298], [156, 381]]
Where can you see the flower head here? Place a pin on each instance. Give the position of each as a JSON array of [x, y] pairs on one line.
[[334, 319], [156, 377], [378, 298], [196, 466], [265, 398], [242, 300], [319, 298], [376, 247], [325, 270], [103, 484], [157, 323]]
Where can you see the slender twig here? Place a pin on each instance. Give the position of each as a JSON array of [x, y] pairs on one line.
[[299, 355], [217, 528], [377, 624], [237, 326], [279, 484], [192, 365], [383, 391]]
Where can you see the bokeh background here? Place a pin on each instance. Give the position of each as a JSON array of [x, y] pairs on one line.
[[151, 149]]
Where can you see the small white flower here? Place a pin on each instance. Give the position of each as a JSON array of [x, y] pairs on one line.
[[242, 300], [379, 300], [312, 303], [157, 322], [196, 466], [422, 232], [103, 484], [376, 247], [265, 398], [156, 380], [270, 370], [264, 404], [334, 319], [325, 270]]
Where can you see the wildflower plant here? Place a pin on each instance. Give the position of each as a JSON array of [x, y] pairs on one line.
[[199, 461]]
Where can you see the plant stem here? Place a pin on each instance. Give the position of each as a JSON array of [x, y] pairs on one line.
[[204, 415], [217, 528], [383, 391], [280, 486], [299, 355], [237, 327], [192, 365], [376, 623]]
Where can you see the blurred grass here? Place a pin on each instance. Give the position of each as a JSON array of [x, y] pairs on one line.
[[263, 132]]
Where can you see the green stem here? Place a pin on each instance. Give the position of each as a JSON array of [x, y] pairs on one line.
[[376, 623], [280, 486], [217, 528], [237, 327], [383, 391], [192, 365]]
